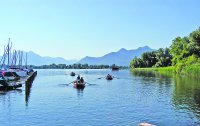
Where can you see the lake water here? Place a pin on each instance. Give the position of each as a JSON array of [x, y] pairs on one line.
[[130, 99]]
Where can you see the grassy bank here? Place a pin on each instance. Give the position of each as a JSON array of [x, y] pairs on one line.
[[160, 69], [191, 70]]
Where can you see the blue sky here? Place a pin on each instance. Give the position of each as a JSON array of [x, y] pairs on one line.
[[73, 29]]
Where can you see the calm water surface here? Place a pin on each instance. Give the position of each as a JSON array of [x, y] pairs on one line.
[[131, 99]]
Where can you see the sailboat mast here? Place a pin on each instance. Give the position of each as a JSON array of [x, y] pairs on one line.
[[26, 60], [8, 49]]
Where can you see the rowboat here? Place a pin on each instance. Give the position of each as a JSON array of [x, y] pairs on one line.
[[109, 77], [79, 85], [115, 68], [72, 74]]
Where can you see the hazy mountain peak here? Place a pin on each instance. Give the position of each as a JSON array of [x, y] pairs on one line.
[[31, 53], [144, 47], [36, 59], [121, 57], [122, 50]]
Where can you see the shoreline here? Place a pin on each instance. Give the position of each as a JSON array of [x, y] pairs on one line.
[[192, 70]]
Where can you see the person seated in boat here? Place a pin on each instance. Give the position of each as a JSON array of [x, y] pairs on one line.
[[78, 78], [82, 80], [109, 76]]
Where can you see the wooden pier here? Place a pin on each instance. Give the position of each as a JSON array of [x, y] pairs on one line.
[[31, 78]]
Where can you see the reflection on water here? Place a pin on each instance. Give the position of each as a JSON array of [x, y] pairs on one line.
[[27, 92], [11, 92], [2, 92], [6, 97], [80, 92], [164, 81], [187, 94], [28, 85]]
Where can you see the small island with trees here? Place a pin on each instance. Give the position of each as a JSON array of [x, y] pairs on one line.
[[183, 56]]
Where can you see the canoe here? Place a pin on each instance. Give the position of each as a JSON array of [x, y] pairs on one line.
[[79, 85]]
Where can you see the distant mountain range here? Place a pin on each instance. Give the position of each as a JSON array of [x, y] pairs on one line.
[[121, 57], [35, 59]]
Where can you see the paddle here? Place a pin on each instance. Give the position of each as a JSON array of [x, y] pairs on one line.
[[90, 83], [70, 82], [116, 77], [67, 84], [63, 84], [101, 77]]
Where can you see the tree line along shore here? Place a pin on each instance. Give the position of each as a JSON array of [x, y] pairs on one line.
[[183, 57], [76, 66]]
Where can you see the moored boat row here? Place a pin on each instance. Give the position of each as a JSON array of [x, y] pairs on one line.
[[13, 75], [10, 84]]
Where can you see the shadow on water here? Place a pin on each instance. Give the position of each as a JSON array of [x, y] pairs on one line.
[[187, 94]]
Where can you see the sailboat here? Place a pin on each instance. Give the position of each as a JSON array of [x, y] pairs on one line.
[[12, 69], [11, 72]]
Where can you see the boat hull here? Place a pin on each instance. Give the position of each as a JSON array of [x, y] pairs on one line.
[[115, 68], [72, 74], [10, 87], [79, 85], [109, 78]]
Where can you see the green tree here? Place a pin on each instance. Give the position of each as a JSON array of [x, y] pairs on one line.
[[179, 49], [137, 63], [149, 58], [194, 45], [163, 57], [195, 36]]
